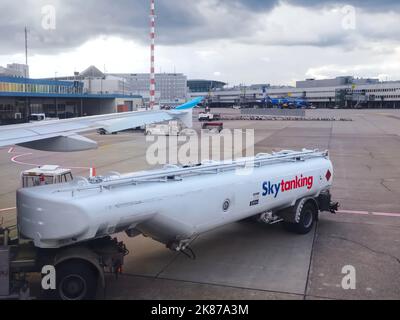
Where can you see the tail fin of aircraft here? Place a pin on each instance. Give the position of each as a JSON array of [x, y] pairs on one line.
[[191, 104], [266, 97]]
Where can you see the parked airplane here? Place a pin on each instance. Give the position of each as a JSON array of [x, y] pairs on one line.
[[295, 103], [287, 102], [62, 135]]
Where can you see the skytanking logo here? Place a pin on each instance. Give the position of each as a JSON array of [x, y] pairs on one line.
[[284, 186]]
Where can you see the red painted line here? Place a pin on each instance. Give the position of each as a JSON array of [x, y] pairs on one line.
[[364, 213], [386, 214], [14, 160]]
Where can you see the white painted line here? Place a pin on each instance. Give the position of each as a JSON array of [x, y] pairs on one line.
[[83, 168], [7, 209], [365, 213], [386, 214]]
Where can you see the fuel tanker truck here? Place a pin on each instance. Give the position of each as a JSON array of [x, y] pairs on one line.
[[70, 225]]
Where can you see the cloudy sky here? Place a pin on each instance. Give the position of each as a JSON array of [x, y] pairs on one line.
[[237, 41]]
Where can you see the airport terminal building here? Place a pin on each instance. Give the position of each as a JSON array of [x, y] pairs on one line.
[[22, 97], [343, 92], [171, 88]]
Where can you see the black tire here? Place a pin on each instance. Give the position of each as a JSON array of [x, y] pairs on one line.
[[76, 280], [308, 216]]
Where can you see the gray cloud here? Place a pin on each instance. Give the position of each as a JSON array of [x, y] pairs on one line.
[[78, 21], [381, 5], [179, 21], [365, 4]]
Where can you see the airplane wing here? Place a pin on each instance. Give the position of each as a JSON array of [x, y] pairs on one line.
[[63, 135]]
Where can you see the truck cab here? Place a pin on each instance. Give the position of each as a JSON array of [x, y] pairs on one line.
[[208, 116], [45, 175], [172, 128], [79, 268]]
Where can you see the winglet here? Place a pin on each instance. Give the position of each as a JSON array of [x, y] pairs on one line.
[[191, 104]]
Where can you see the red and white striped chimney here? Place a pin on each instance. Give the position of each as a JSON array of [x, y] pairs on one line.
[[152, 49]]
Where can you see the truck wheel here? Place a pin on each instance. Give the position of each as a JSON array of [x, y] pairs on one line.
[[307, 219], [76, 280]]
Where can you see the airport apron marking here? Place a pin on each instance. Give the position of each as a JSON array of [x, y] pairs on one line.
[[20, 155]]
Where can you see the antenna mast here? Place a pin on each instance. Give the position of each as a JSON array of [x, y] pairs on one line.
[[152, 54], [26, 49]]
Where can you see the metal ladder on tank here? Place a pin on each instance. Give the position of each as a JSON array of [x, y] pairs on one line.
[[172, 173]]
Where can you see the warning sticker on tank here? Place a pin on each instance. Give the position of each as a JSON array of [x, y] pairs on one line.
[[254, 203], [256, 199]]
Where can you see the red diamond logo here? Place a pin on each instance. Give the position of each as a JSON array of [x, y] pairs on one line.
[[328, 175]]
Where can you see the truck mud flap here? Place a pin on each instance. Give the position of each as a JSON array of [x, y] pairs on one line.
[[325, 203]]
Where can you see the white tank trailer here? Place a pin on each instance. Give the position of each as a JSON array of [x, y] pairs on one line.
[[175, 204]]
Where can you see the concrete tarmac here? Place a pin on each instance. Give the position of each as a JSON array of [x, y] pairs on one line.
[[254, 261]]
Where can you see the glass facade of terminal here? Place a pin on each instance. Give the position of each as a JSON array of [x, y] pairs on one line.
[[31, 86], [20, 98], [204, 85]]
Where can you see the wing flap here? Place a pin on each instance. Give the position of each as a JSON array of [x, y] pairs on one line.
[[23, 137], [134, 121], [70, 143]]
